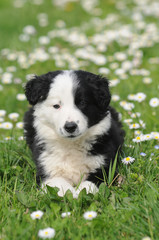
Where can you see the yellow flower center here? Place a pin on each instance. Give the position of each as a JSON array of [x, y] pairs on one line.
[[46, 233], [37, 215], [127, 159], [134, 125], [90, 215], [138, 138], [156, 137]]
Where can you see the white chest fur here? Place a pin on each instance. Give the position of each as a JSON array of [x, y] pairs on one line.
[[70, 160]]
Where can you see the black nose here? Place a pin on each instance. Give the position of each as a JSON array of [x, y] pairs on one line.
[[70, 127]]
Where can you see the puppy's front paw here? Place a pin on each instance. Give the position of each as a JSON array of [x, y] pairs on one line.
[[89, 186], [62, 185]]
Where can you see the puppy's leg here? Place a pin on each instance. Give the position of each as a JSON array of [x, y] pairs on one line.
[[89, 186], [62, 184]]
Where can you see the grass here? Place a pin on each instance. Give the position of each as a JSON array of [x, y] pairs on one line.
[[129, 211]]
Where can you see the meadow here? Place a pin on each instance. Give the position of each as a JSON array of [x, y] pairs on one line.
[[120, 40]]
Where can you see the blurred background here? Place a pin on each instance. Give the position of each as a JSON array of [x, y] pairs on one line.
[[118, 39]]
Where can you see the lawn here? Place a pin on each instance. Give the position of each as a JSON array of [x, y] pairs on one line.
[[118, 39]]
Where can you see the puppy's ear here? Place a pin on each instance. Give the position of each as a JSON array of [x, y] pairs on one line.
[[100, 89], [36, 90]]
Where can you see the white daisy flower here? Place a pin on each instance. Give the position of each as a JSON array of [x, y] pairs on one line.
[[135, 115], [90, 215], [131, 97], [20, 97], [7, 125], [146, 238], [139, 138], [30, 30], [126, 105], [65, 214], [142, 124], [155, 135], [20, 125], [36, 215], [140, 97], [46, 233], [147, 80], [2, 113], [7, 78], [120, 56], [115, 98], [104, 71], [44, 40], [134, 126], [137, 132], [114, 82], [128, 121], [147, 137], [13, 116], [8, 138], [154, 102], [24, 37], [128, 160], [30, 76], [1, 119], [21, 138]]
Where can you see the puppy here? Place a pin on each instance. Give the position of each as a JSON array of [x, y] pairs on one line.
[[71, 130]]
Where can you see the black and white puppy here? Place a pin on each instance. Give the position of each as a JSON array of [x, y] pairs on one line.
[[71, 130]]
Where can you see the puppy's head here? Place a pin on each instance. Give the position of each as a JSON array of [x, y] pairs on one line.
[[69, 102]]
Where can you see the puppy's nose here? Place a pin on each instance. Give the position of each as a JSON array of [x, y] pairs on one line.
[[70, 127]]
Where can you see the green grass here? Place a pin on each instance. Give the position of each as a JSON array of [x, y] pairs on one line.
[[129, 211]]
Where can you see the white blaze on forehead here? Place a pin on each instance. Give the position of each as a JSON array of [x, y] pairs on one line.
[[62, 87]]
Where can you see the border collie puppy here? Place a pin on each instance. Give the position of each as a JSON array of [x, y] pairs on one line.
[[71, 130]]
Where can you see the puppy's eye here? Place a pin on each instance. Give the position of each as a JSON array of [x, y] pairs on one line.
[[56, 106]]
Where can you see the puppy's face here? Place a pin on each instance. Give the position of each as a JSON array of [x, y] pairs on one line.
[[69, 102]]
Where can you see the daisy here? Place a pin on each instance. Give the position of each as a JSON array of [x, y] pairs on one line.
[[132, 97], [147, 137], [155, 135], [21, 138], [128, 121], [65, 214], [46, 233], [2, 113], [147, 80], [140, 97], [13, 116], [8, 138], [7, 125], [30, 30], [44, 40], [146, 238], [154, 102], [20, 97], [137, 132], [135, 115], [104, 71], [128, 160], [20, 125], [115, 98], [134, 126], [138, 139], [114, 82], [89, 215], [36, 215]]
